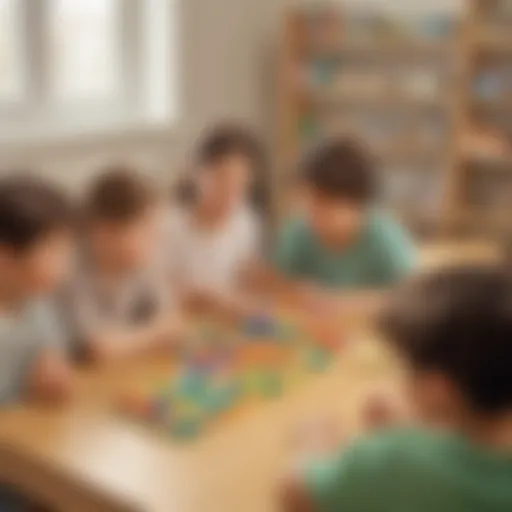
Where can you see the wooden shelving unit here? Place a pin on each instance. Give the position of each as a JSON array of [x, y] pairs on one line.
[[484, 201], [449, 167], [389, 82]]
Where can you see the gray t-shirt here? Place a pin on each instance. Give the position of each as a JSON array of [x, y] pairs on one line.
[[92, 304], [24, 335]]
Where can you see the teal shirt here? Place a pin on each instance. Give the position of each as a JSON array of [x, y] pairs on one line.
[[413, 471], [382, 254]]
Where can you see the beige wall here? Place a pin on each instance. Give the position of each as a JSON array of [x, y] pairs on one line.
[[226, 70]]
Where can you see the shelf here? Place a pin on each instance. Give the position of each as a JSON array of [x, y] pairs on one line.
[[378, 101], [497, 104], [489, 160], [480, 216], [398, 48], [489, 41], [392, 49], [407, 155]]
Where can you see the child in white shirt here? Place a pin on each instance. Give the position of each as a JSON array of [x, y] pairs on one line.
[[215, 238]]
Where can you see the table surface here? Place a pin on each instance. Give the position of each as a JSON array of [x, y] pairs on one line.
[[85, 457]]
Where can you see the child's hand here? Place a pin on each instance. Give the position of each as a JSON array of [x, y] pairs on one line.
[[197, 300], [51, 379], [172, 331], [293, 496], [318, 436], [382, 411], [315, 299]]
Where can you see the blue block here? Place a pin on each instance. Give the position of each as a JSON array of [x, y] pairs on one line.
[[260, 327]]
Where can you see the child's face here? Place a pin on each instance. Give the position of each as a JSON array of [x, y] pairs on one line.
[[128, 246], [40, 269], [224, 184], [335, 221]]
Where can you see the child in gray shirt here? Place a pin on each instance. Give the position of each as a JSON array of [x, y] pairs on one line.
[[118, 304], [35, 245]]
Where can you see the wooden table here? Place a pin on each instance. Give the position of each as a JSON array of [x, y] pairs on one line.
[[86, 458]]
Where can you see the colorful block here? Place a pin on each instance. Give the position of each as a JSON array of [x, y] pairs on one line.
[[192, 385], [187, 423], [317, 359], [287, 331], [260, 327], [218, 371], [270, 384]]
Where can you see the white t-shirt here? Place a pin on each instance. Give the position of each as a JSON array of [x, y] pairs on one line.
[[211, 259]]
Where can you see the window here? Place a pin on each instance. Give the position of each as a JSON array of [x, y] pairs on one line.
[[84, 48], [10, 83], [85, 63]]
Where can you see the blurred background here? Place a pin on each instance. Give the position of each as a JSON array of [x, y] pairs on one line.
[[426, 84]]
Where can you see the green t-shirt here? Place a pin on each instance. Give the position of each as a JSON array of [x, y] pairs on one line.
[[413, 471], [382, 254]]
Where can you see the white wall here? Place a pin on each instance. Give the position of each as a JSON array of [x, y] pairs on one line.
[[226, 70]]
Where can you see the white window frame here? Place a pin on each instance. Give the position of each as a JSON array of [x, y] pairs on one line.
[[37, 115]]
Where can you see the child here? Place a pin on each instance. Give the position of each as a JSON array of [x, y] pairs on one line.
[[35, 245], [215, 238], [342, 241], [454, 330], [118, 301]]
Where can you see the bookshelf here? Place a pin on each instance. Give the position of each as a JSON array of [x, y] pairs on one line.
[[485, 145], [391, 81]]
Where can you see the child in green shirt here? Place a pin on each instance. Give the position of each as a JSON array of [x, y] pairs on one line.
[[342, 241], [454, 330]]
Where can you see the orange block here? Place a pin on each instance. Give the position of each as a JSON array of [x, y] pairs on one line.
[[263, 354]]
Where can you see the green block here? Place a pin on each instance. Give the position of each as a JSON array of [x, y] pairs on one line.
[[221, 399], [187, 421], [187, 428], [318, 360], [287, 332], [251, 382], [271, 384], [192, 385]]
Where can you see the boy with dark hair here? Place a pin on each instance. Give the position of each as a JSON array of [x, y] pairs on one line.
[[342, 240], [118, 301], [454, 331], [35, 246]]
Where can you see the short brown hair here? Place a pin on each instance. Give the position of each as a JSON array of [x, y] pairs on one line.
[[230, 138], [342, 169], [458, 321], [119, 194], [31, 209]]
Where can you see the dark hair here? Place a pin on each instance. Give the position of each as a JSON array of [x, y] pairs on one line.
[[223, 140], [459, 322], [29, 210], [229, 139], [119, 194], [341, 169]]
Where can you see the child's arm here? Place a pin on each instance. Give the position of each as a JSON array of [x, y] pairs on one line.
[[107, 339], [295, 497], [50, 378], [112, 343], [47, 372], [232, 305], [334, 476]]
